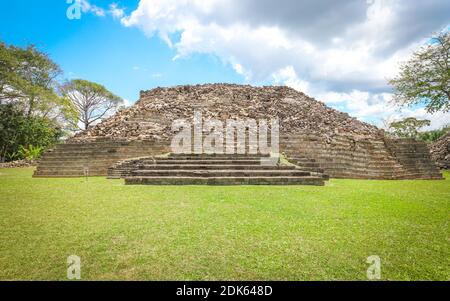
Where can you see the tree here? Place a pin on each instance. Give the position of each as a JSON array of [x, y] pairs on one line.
[[425, 78], [90, 102], [408, 127], [19, 132], [434, 135], [8, 63], [32, 113], [28, 77]]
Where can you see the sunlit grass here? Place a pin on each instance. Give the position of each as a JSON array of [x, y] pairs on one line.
[[229, 233]]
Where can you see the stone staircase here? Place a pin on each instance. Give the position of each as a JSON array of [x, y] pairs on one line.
[[73, 159], [414, 158], [349, 157], [217, 169], [306, 164]]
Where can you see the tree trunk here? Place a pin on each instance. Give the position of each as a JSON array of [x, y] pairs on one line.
[[30, 107]]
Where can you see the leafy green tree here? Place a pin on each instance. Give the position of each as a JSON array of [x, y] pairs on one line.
[[29, 77], [90, 102], [434, 135], [408, 127], [18, 130], [8, 63], [11, 120], [38, 81], [35, 108], [425, 78]]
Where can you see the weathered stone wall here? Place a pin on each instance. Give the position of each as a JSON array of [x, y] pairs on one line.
[[339, 156], [342, 156], [440, 151], [70, 159], [414, 158]]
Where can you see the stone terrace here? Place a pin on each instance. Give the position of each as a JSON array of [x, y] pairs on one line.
[[314, 137]]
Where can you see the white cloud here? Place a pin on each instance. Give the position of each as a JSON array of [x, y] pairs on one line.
[[338, 52], [86, 7], [98, 11], [251, 35], [127, 102], [116, 11], [438, 120], [375, 108], [289, 77]]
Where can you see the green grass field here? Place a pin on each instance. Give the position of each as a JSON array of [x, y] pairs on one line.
[[222, 233]]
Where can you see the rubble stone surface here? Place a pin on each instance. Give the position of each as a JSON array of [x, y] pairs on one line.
[[440, 151], [151, 117], [17, 163]]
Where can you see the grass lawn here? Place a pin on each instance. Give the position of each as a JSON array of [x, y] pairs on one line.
[[222, 233]]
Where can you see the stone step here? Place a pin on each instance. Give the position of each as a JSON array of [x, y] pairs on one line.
[[227, 156], [200, 161], [110, 144], [303, 160], [212, 169], [78, 163], [311, 169], [319, 175], [307, 164], [210, 166], [318, 181], [49, 156], [95, 158], [412, 176], [216, 157], [221, 173], [71, 169], [66, 174]]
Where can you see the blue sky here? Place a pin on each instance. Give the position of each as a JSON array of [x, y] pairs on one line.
[[100, 49], [341, 53]]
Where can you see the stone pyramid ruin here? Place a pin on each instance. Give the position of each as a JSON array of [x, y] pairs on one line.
[[440, 151], [316, 142]]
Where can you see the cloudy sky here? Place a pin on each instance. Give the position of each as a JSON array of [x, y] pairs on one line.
[[340, 52]]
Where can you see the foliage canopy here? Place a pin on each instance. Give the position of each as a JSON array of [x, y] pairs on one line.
[[425, 78]]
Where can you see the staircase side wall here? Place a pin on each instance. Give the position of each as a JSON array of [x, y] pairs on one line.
[[343, 156], [339, 156], [71, 159], [414, 157]]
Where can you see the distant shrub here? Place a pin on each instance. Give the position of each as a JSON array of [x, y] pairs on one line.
[[31, 152], [19, 131], [431, 136]]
